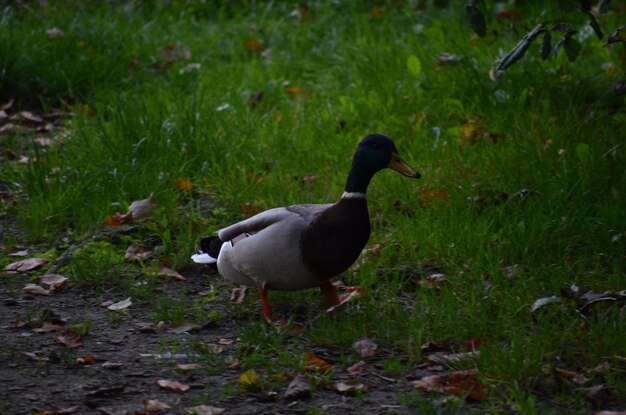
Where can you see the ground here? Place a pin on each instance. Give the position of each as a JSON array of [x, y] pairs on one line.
[[53, 380]]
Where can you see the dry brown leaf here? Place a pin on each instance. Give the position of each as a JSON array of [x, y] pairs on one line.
[[575, 377], [47, 328], [87, 360], [171, 53], [377, 14], [26, 265], [182, 184], [252, 45], [296, 91], [141, 209], [226, 342], [298, 388], [172, 385], [154, 405], [120, 305], [460, 383], [238, 294], [33, 356], [55, 33], [69, 339], [28, 117], [356, 369], [22, 253], [430, 197], [136, 252], [35, 289], [169, 273], [117, 219], [249, 209], [350, 386], [58, 411], [55, 281], [205, 410], [365, 347], [44, 142], [316, 364], [189, 366], [112, 365]]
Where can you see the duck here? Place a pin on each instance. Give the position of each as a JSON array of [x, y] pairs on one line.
[[304, 246]]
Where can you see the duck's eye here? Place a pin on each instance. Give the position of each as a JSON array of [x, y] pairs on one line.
[[374, 145]]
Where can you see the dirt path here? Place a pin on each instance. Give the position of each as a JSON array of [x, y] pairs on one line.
[[40, 374]]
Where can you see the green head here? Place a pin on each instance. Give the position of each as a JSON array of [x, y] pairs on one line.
[[374, 153]]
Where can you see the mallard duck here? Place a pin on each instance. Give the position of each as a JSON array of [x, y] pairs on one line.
[[303, 246]]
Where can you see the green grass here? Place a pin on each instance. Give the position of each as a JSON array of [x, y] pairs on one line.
[[550, 128]]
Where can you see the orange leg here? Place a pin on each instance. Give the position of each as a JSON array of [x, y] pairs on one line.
[[330, 293], [265, 307]]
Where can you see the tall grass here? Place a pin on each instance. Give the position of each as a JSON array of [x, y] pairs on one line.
[[550, 136]]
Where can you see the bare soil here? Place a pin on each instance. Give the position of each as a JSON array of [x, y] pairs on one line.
[[40, 375]]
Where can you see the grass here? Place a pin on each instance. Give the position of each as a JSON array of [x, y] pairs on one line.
[[547, 134]]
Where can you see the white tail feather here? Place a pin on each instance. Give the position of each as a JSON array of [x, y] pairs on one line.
[[203, 259]]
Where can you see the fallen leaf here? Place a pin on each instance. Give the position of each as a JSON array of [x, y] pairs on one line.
[[226, 342], [121, 305], [87, 360], [172, 385], [252, 45], [472, 344], [55, 33], [296, 91], [189, 366], [365, 347], [575, 377], [69, 339], [117, 219], [44, 142], [182, 184], [26, 265], [141, 209], [204, 410], [350, 386], [377, 14], [541, 302], [154, 405], [513, 271], [460, 383], [22, 253], [356, 369], [171, 53], [472, 131], [47, 328], [238, 294], [53, 280], [298, 388], [184, 327], [316, 364], [28, 117], [112, 365], [249, 381], [33, 356], [432, 280], [429, 197], [58, 411], [169, 273], [136, 252], [249, 209], [35, 289], [7, 105]]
